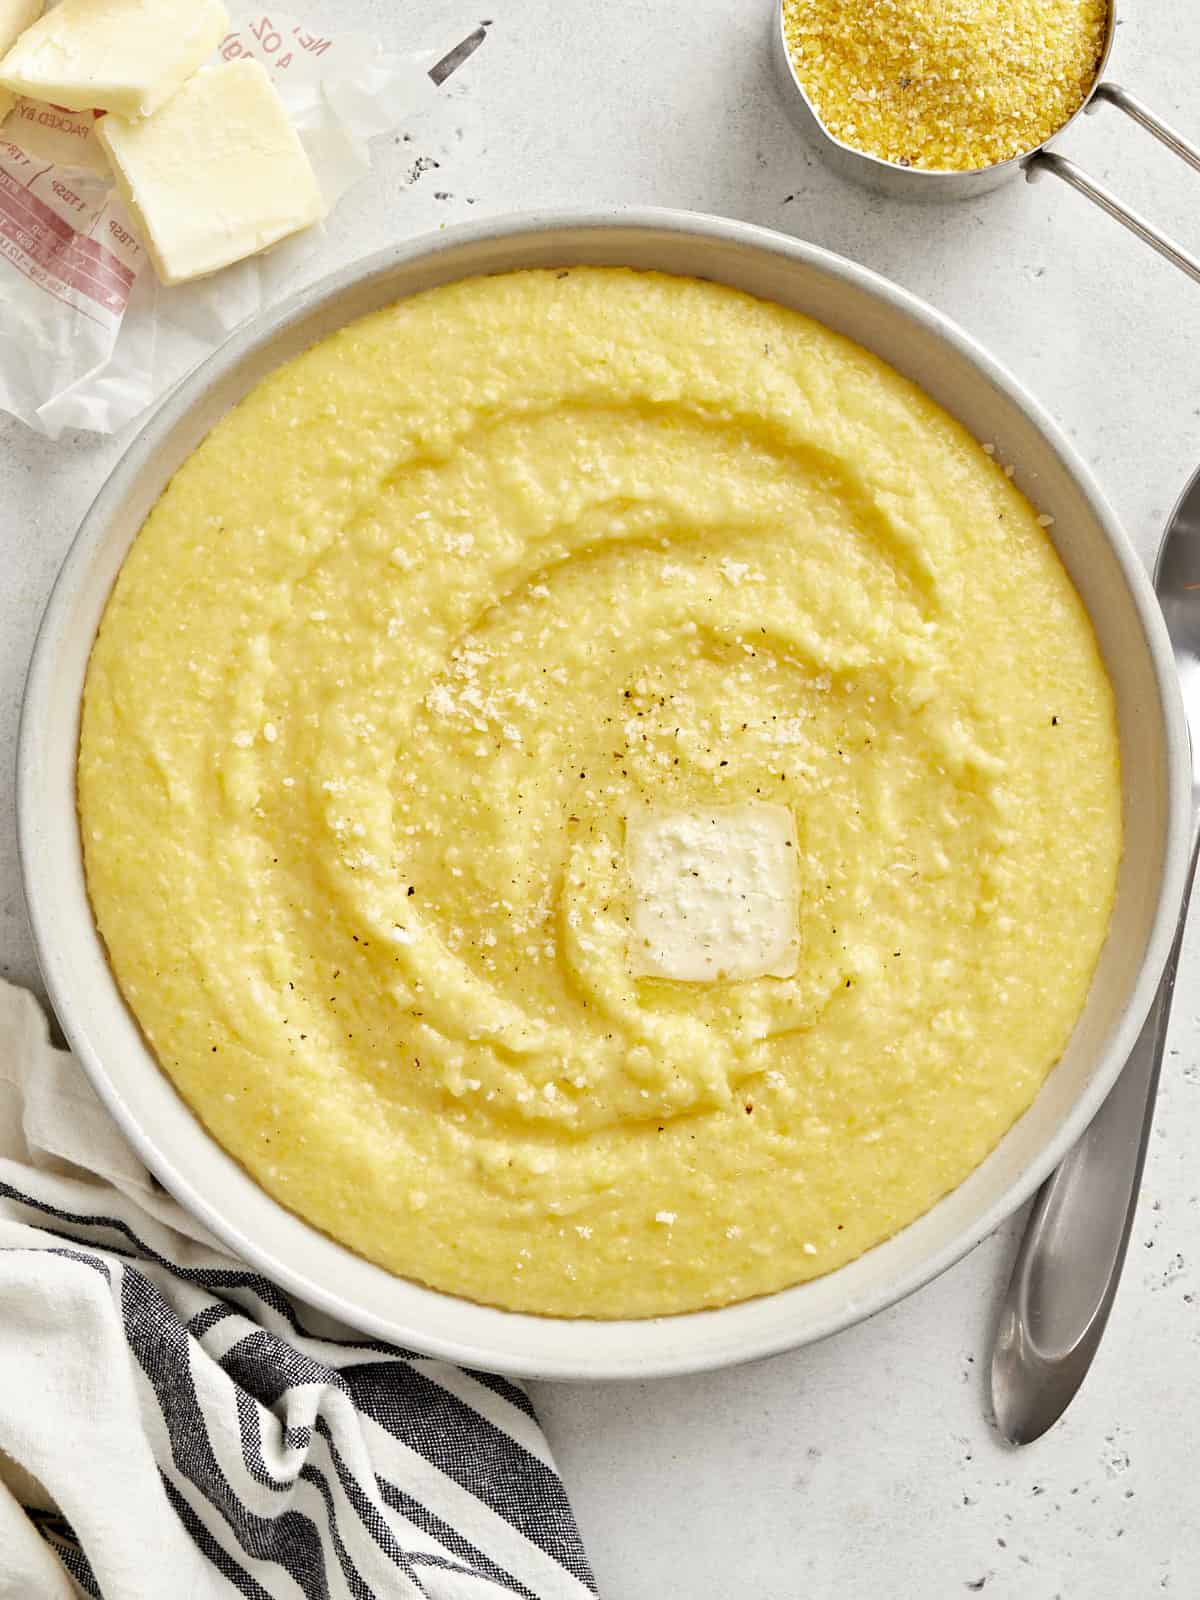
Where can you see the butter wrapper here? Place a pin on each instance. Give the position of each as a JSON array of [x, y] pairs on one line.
[[88, 336]]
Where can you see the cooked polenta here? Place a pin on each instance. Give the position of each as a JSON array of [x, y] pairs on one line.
[[414, 645]]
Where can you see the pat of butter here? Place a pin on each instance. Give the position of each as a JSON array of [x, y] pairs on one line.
[[126, 56], [716, 893], [15, 17], [217, 174]]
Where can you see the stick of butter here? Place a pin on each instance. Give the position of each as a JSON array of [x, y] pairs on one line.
[[215, 175], [127, 56], [716, 893], [15, 17]]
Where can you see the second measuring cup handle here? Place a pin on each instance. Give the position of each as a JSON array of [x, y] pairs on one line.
[[1112, 94], [1069, 172]]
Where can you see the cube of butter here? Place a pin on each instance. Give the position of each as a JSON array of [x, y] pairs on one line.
[[15, 17], [716, 893], [127, 56], [215, 175]]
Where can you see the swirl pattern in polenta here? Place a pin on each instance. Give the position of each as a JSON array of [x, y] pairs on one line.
[[418, 628]]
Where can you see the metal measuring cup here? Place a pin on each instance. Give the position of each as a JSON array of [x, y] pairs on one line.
[[924, 183]]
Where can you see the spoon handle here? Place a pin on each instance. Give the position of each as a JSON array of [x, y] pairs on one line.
[[1069, 1264]]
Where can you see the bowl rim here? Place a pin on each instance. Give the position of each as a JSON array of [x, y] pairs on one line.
[[676, 1356]]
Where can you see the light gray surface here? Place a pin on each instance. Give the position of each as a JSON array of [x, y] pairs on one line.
[[865, 1465]]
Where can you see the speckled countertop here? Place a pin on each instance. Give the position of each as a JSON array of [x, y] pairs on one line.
[[865, 1466]]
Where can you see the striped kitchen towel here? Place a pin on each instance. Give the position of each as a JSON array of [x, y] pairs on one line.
[[174, 1427]]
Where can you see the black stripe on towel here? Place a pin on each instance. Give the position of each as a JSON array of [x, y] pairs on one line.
[[214, 1279], [208, 1546], [460, 1442], [430, 1523], [250, 1428], [377, 1527], [265, 1367], [60, 1536], [82, 1256], [250, 1425], [209, 1318], [434, 1423], [474, 1453], [292, 1540], [506, 1390]]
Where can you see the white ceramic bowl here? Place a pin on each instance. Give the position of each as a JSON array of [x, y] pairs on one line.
[[919, 342]]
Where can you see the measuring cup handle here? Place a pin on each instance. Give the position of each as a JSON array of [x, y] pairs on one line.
[[1049, 161], [1114, 95]]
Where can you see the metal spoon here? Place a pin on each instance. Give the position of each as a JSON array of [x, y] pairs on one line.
[[1069, 1264]]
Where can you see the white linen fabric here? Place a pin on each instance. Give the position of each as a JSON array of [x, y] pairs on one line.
[[174, 1427]]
